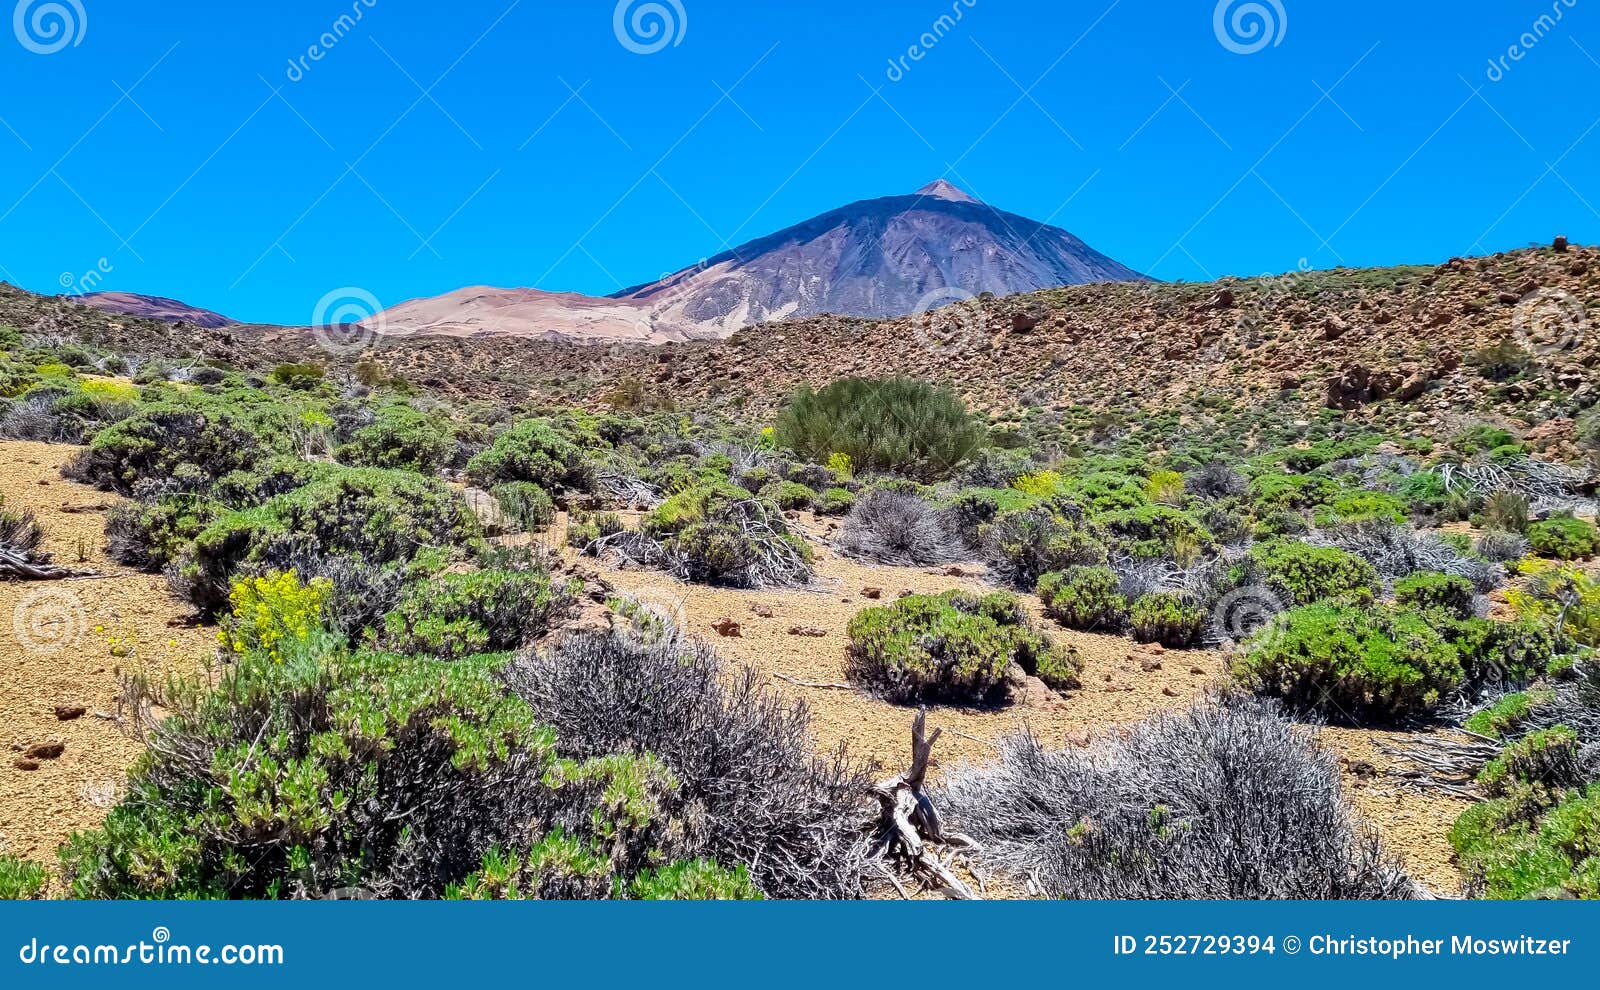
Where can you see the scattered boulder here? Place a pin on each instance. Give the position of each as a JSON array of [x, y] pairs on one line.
[[67, 713], [812, 631], [44, 750], [23, 763], [726, 627], [872, 593]]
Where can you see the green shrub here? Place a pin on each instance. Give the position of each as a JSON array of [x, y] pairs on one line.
[[835, 501], [1502, 652], [21, 880], [333, 769], [1086, 598], [1351, 662], [400, 437], [1022, 546], [1508, 850], [695, 880], [1508, 713], [527, 506], [300, 376], [789, 495], [1278, 492], [972, 508], [1304, 574], [1547, 758], [1449, 593], [486, 611], [951, 647], [1168, 618], [162, 441], [1159, 531], [1564, 538], [1362, 506], [534, 451], [895, 425], [378, 516], [721, 534], [1424, 491]]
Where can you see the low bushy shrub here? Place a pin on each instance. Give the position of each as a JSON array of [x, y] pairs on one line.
[[1509, 850], [534, 451], [892, 425], [160, 441], [744, 758], [1502, 547], [1085, 598], [1223, 800], [525, 505], [835, 501], [485, 611], [21, 880], [789, 495], [1304, 574], [1351, 662], [1563, 537], [951, 647], [721, 534], [1449, 593], [400, 437], [887, 527], [382, 517], [1168, 618], [1023, 545]]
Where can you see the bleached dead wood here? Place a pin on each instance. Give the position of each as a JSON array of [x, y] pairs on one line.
[[909, 825]]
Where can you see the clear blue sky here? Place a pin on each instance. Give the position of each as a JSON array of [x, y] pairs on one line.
[[157, 143]]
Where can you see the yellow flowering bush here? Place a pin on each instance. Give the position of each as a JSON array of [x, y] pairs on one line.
[[1555, 592], [270, 612], [841, 465], [1039, 484]]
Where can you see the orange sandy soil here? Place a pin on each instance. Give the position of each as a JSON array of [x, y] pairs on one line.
[[56, 648]]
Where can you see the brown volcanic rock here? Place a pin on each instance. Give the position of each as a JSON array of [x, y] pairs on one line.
[[155, 308]]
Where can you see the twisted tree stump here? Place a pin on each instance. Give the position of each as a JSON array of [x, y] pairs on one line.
[[909, 823]]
